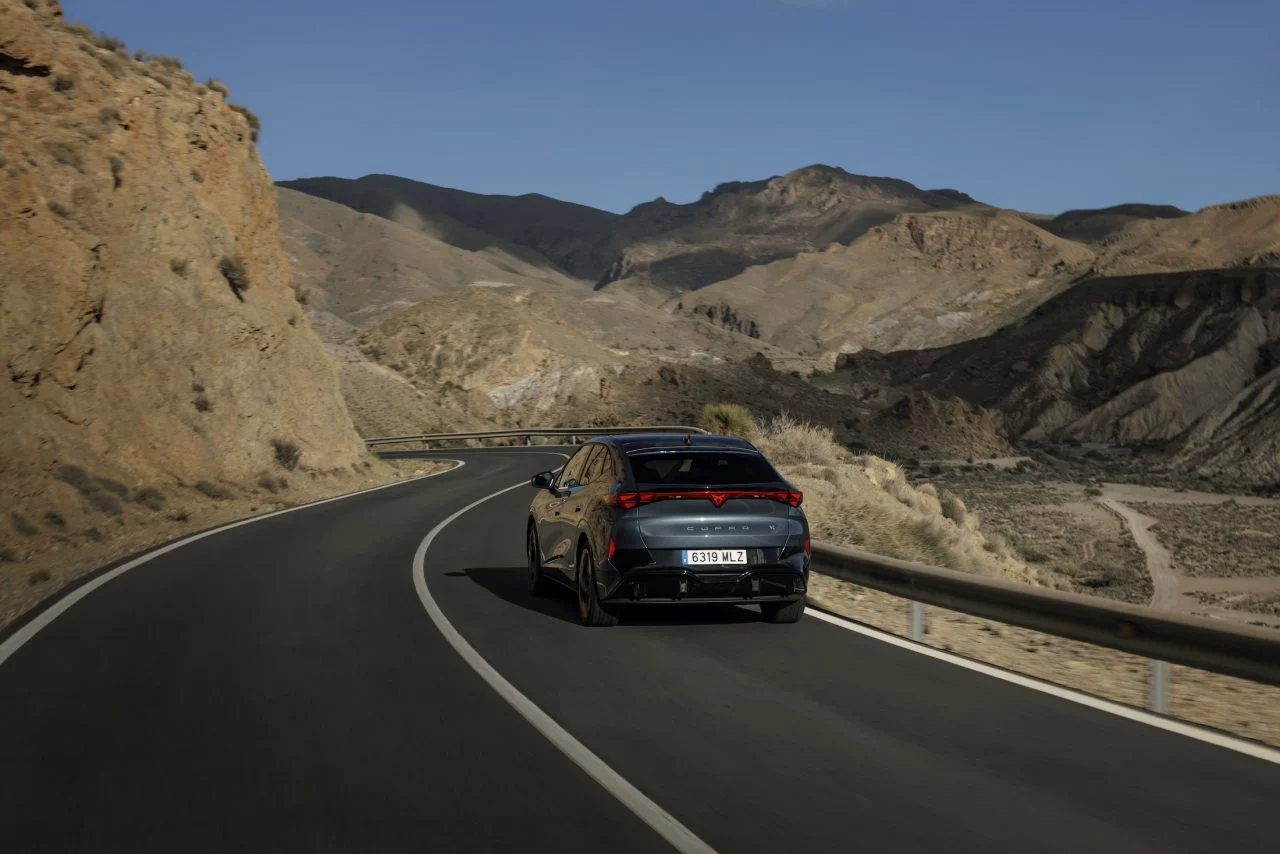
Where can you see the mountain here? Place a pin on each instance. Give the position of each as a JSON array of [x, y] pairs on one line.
[[361, 267], [1095, 225], [919, 280], [1184, 360], [156, 355]]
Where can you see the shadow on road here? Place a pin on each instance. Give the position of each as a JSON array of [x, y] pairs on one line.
[[511, 584]]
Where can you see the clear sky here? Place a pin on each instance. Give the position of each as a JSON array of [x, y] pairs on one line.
[[1035, 105]]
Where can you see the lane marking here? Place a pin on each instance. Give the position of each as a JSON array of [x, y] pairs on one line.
[[666, 825], [1219, 739], [15, 641]]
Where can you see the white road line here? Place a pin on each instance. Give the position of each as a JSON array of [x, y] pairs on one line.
[[680, 837], [15, 641], [1249, 748]]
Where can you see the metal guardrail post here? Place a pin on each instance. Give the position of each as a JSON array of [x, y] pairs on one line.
[[1158, 686], [915, 620]]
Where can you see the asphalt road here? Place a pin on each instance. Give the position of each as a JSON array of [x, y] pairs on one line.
[[279, 687]]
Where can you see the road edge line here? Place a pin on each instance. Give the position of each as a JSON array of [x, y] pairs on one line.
[[1190, 730], [29, 630], [643, 807]]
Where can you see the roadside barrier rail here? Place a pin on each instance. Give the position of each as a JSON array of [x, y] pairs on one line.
[[1162, 637], [573, 434]]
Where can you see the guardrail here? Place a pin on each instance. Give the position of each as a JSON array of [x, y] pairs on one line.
[[573, 434], [1161, 637]]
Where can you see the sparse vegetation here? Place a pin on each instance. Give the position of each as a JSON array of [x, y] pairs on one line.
[[169, 63], [255, 124], [202, 404], [115, 487], [286, 454], [54, 518], [272, 484], [180, 266], [63, 84], [728, 419], [953, 508], [78, 29], [105, 502], [8, 556], [179, 516], [197, 176], [93, 534], [789, 442], [60, 209], [65, 153], [233, 270], [111, 43], [22, 525], [117, 170], [40, 576], [150, 497], [212, 490], [218, 86]]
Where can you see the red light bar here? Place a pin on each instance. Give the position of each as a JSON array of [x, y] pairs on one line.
[[717, 497]]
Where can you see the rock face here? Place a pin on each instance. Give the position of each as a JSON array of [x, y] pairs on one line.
[[148, 322]]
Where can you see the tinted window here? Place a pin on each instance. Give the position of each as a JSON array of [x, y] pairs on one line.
[[600, 467], [572, 475], [701, 468]]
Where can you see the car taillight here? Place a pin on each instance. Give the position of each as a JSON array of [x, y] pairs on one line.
[[717, 497], [808, 547], [613, 547]]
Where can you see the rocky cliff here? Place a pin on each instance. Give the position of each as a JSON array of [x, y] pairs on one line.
[[155, 354]]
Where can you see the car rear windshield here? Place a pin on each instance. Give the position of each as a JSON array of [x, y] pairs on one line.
[[701, 468]]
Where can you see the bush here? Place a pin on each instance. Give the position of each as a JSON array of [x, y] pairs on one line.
[[255, 124], [22, 526], [60, 209], [953, 508], [169, 63], [115, 487], [117, 171], [202, 404], [54, 518], [287, 454], [218, 86], [110, 43], [180, 266], [728, 419], [63, 84], [789, 442], [64, 153], [105, 502], [150, 498], [109, 115], [212, 490], [1092, 491], [197, 176], [180, 516], [78, 29], [233, 270], [40, 576]]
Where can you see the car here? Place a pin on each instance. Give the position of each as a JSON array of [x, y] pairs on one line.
[[669, 518]]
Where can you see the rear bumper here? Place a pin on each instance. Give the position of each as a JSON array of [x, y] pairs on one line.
[[664, 585]]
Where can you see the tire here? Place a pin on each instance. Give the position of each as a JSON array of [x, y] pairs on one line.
[[782, 612], [539, 585], [590, 611]]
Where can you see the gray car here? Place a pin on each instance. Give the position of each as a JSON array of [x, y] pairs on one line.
[[661, 519]]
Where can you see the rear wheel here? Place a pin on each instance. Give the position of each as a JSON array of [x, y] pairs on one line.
[[590, 611], [538, 583], [782, 612]]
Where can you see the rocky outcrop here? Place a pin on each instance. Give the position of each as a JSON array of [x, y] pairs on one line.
[[150, 333]]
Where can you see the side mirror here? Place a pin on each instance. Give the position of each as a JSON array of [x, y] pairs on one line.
[[541, 480]]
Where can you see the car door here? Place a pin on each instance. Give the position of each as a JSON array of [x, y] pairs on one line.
[[555, 532]]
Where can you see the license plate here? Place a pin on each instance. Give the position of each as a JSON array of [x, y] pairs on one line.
[[714, 557]]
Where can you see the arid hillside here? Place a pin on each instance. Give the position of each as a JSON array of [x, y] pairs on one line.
[[157, 358], [524, 356], [920, 280], [1185, 361]]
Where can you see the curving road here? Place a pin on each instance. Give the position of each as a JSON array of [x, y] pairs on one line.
[[279, 686]]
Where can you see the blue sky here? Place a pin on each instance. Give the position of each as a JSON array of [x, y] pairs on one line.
[[1021, 103]]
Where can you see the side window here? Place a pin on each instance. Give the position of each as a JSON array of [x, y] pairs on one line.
[[600, 469], [574, 471], [610, 471]]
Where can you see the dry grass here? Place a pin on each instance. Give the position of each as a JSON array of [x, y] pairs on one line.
[[728, 419], [866, 502]]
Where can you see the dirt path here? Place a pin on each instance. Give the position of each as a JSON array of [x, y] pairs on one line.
[[1166, 584]]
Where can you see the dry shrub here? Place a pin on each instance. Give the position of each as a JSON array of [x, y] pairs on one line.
[[790, 442], [728, 419], [866, 502]]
